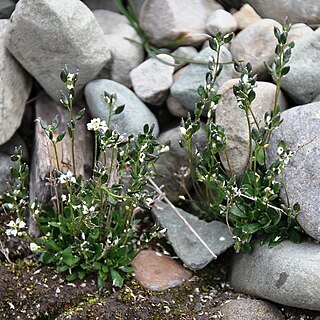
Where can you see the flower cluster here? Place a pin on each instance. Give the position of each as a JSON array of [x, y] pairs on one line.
[[97, 124], [68, 177], [15, 227]]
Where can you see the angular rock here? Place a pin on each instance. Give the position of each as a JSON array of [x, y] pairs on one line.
[[43, 162], [246, 16], [250, 309], [15, 86], [185, 244], [172, 166], [221, 20], [151, 80], [5, 174], [296, 10], [303, 83], [126, 55], [45, 35], [166, 21], [256, 44], [6, 8], [10, 146], [287, 274], [185, 88], [300, 131], [234, 121], [135, 113], [157, 272]]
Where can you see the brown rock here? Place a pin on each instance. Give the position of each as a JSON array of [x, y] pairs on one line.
[[157, 272], [246, 16]]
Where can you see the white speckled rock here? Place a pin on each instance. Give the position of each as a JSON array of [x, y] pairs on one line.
[[135, 113], [233, 119], [126, 55], [151, 80], [256, 44], [15, 86], [221, 20], [44, 35]]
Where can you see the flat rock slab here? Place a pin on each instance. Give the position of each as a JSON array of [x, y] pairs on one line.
[[158, 272], [185, 244], [287, 274], [45, 35], [15, 86], [300, 130], [249, 309], [302, 83], [185, 88], [135, 115]]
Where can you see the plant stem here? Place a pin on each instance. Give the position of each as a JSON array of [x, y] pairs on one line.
[[56, 154]]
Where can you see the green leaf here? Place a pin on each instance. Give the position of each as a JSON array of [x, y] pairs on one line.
[[228, 37], [64, 76], [285, 70], [68, 258], [235, 210], [117, 279], [119, 109], [261, 156], [81, 274], [50, 244], [296, 207], [14, 173], [80, 114], [46, 257], [295, 236], [72, 276], [61, 136], [276, 32], [251, 228]]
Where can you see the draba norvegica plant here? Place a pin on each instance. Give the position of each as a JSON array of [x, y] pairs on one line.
[[90, 226], [250, 205]]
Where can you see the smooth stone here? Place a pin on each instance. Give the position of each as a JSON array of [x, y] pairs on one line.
[[302, 83], [176, 108], [101, 5], [151, 80], [287, 274], [249, 309], [234, 121], [15, 86], [6, 8], [256, 44], [185, 88], [5, 174], [221, 20], [135, 115], [183, 52], [126, 55], [246, 16], [168, 21], [158, 272], [299, 31], [296, 10], [46, 35], [172, 166], [300, 131], [185, 244], [10, 146]]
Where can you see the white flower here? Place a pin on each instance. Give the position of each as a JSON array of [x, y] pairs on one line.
[[97, 125], [164, 149], [245, 78], [34, 247], [15, 227], [68, 177], [64, 198], [280, 151], [183, 130]]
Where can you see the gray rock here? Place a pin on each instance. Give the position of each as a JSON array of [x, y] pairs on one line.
[[246, 16], [6, 8], [185, 244], [302, 83], [135, 114], [287, 274], [166, 21], [157, 272], [299, 31], [10, 146], [15, 86], [183, 52], [185, 88], [101, 5], [296, 10], [44, 35], [5, 174], [172, 166], [151, 80], [221, 20], [249, 309], [256, 44], [301, 132], [176, 108], [126, 55], [233, 119]]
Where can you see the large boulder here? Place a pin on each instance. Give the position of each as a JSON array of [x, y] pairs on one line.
[[45, 35], [296, 10], [185, 88], [300, 131], [287, 274], [135, 113], [302, 83], [126, 55], [15, 86], [234, 121]]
